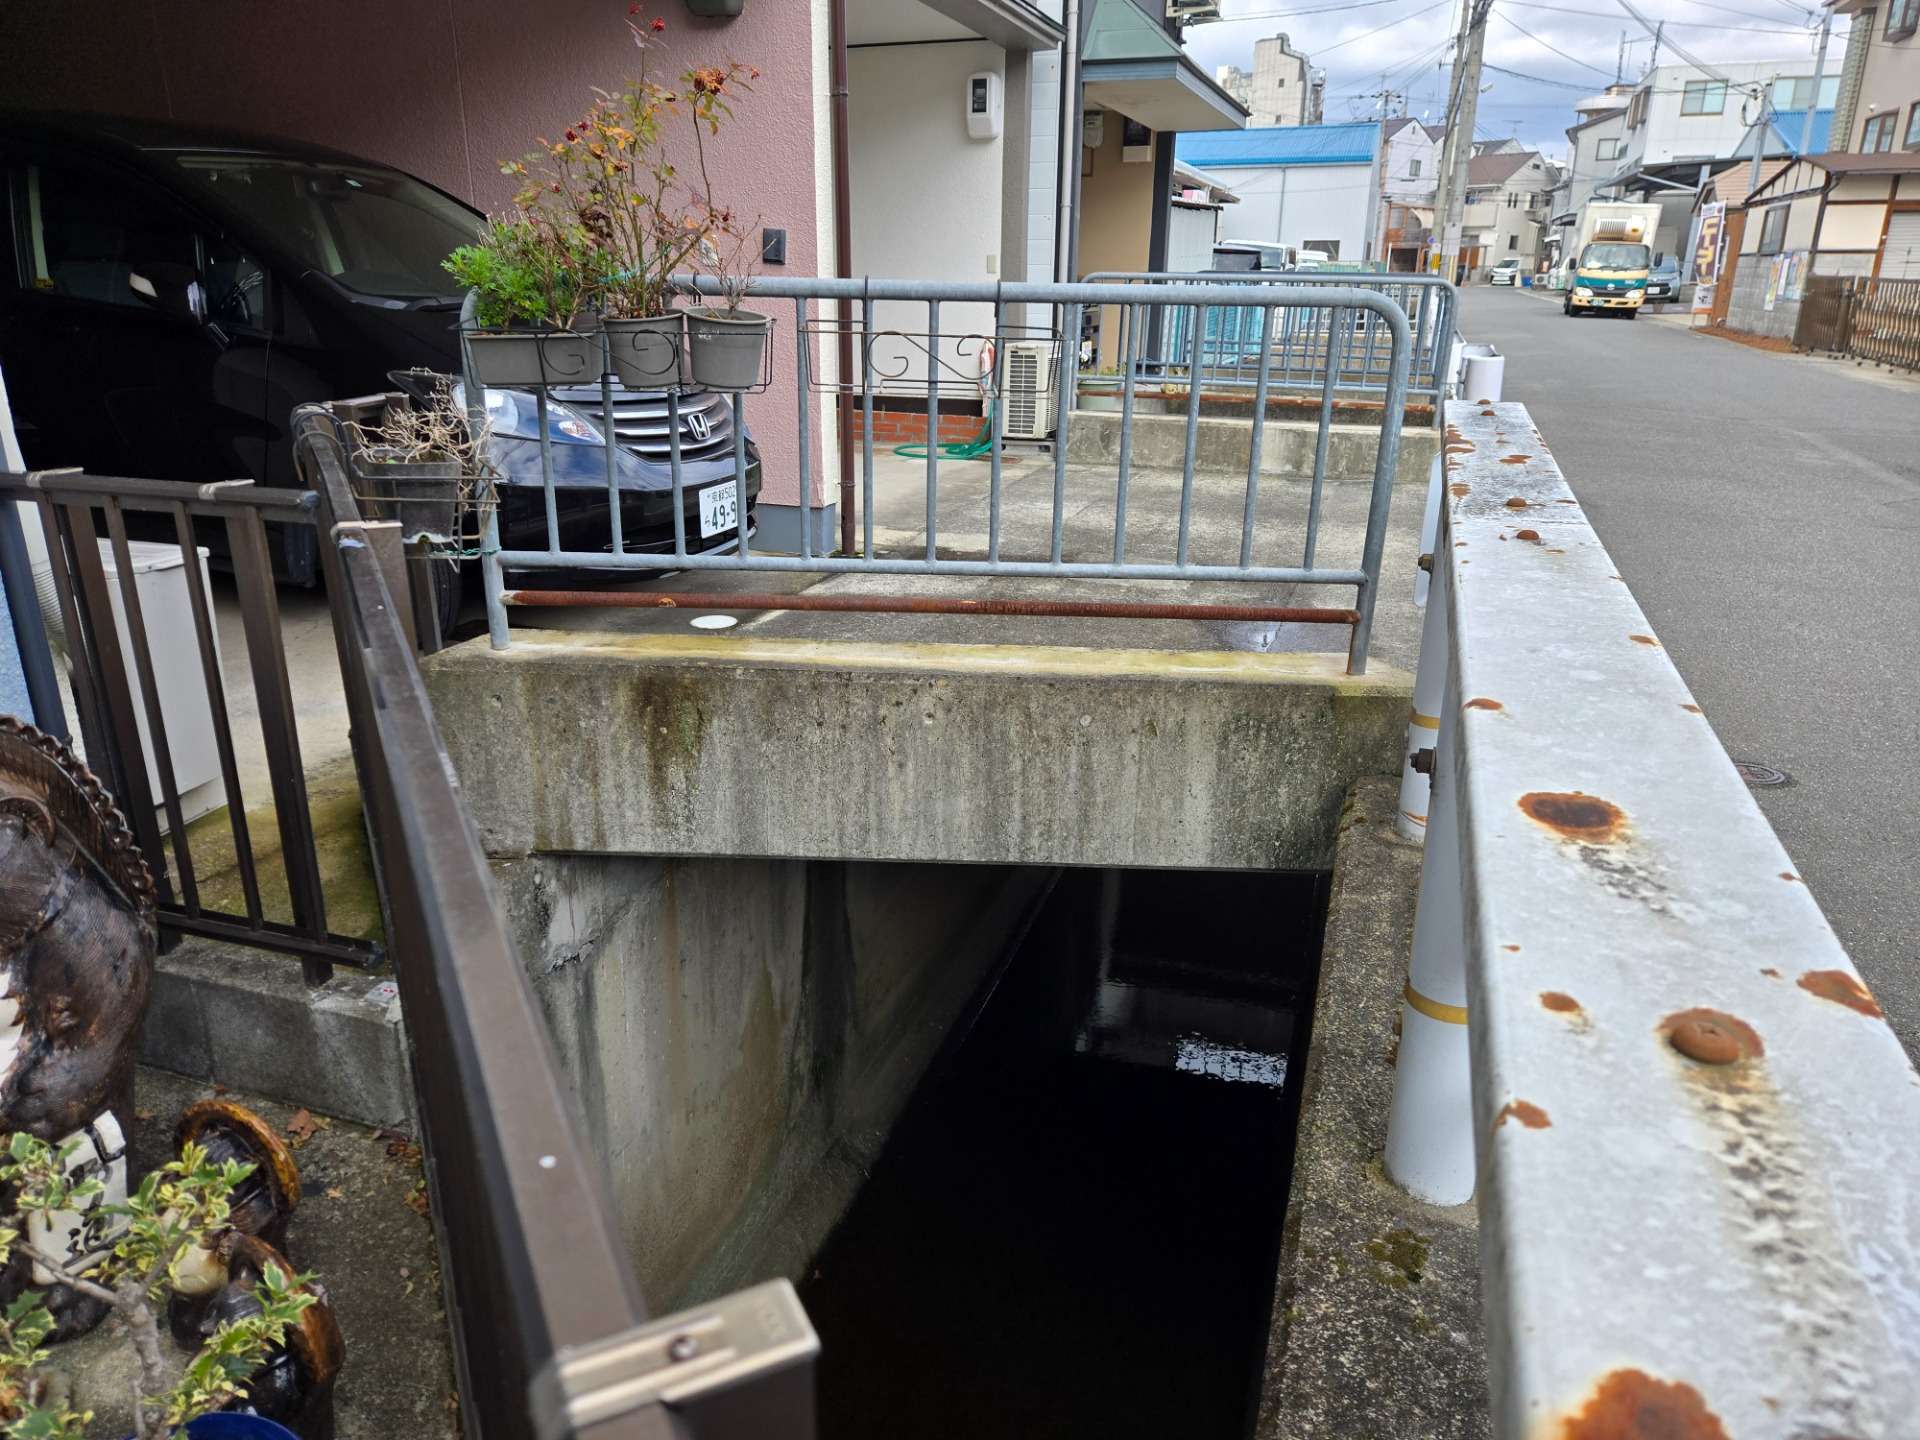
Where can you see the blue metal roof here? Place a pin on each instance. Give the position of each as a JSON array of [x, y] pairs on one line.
[[1786, 132], [1355, 143]]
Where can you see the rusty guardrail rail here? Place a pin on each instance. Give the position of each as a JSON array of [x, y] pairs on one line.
[[968, 350], [1333, 351], [1628, 1027]]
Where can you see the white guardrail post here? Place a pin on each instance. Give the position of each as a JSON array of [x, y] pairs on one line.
[[1698, 1139]]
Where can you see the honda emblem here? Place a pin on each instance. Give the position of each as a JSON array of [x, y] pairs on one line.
[[699, 426]]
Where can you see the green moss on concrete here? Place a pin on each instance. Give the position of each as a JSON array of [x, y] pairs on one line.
[[340, 846], [1399, 1256]]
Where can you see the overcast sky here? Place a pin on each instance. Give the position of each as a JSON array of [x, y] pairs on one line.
[[1410, 40]]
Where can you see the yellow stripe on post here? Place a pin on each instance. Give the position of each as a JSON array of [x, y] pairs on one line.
[[1434, 1009]]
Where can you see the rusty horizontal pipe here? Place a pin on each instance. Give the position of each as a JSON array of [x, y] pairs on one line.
[[924, 605]]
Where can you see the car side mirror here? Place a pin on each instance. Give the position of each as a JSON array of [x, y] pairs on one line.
[[170, 288]]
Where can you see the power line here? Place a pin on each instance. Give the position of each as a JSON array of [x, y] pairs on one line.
[[1538, 79], [1424, 10], [1683, 24], [1549, 45]]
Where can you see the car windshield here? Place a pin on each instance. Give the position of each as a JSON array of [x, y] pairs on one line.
[[1614, 257], [376, 231]]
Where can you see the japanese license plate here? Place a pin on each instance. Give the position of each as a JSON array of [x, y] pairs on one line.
[[719, 509]]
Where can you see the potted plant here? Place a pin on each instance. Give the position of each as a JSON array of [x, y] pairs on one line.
[[533, 275], [727, 344], [167, 1235]]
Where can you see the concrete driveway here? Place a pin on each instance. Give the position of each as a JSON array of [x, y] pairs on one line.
[[1765, 509]]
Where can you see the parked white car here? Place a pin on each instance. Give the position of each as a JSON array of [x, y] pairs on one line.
[[1507, 272]]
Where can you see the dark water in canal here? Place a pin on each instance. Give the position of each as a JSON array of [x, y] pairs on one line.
[[1073, 1230]]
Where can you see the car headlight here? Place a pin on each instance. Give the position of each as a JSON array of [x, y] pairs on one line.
[[1582, 292]]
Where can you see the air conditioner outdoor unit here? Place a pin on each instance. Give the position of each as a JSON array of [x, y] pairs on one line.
[[1193, 10], [1032, 369]]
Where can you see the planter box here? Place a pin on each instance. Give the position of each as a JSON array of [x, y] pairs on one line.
[[534, 357]]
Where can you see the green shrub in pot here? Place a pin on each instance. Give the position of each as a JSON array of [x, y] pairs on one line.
[[533, 277]]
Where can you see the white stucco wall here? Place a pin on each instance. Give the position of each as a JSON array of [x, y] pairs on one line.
[[1293, 204], [926, 196]]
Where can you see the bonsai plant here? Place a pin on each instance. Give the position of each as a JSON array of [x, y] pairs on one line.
[[164, 1236], [533, 275]]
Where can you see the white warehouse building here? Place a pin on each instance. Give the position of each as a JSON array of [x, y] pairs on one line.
[[1315, 187]]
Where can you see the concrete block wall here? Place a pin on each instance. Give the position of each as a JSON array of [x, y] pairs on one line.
[[1747, 310]]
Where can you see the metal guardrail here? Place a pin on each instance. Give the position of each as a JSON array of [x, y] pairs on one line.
[[112, 699], [1229, 348], [552, 1338], [978, 316], [1628, 1025]]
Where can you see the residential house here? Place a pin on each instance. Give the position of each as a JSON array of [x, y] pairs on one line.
[[1596, 142], [1683, 123], [1506, 211], [1409, 175], [1286, 89], [1877, 108], [1316, 187]]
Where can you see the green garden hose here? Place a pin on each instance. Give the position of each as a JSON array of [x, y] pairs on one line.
[[978, 448]]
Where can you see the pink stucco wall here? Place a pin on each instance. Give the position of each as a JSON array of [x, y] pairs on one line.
[[445, 89]]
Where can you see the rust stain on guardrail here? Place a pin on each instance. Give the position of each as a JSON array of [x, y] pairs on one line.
[[1574, 816], [1526, 1112], [1633, 1405], [1842, 989]]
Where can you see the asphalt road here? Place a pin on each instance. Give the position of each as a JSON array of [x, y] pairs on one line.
[[1766, 511]]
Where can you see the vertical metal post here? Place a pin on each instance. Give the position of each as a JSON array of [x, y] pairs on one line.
[[996, 428], [1430, 529], [546, 467], [1189, 458], [866, 426], [933, 428], [1063, 419], [83, 675], [492, 579], [1335, 318], [203, 635], [260, 614], [677, 473], [610, 439], [1132, 315], [150, 700], [36, 655], [1430, 1126], [801, 429], [740, 470], [1258, 438]]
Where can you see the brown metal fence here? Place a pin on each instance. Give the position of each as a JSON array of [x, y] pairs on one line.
[[1826, 314], [112, 698], [1886, 322]]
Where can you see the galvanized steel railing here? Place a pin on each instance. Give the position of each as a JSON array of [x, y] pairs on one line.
[[928, 340], [1226, 352], [1628, 1027]]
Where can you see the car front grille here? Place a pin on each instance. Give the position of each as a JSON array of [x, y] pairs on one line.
[[640, 421]]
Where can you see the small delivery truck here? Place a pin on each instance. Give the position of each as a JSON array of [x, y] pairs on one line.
[[1612, 258]]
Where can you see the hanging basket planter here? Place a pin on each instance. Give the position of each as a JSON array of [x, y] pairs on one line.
[[534, 357], [727, 348], [646, 353]]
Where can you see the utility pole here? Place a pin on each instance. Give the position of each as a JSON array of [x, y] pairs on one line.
[[1620, 65], [1460, 131], [1819, 68], [1653, 63], [1443, 190]]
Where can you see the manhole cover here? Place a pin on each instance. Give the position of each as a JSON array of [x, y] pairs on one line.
[[1759, 776]]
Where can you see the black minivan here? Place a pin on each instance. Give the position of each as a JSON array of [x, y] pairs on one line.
[[169, 295]]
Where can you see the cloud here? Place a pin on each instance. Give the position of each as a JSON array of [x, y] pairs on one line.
[[1412, 50]]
